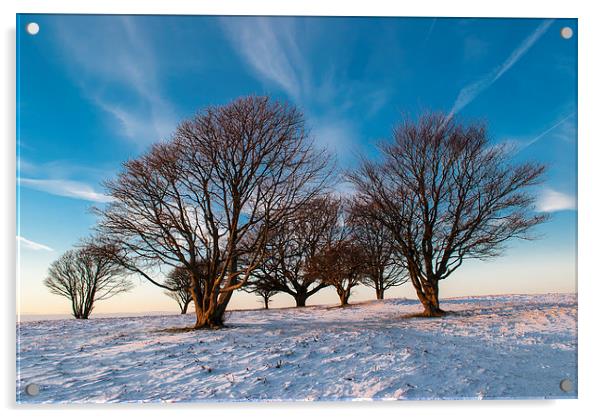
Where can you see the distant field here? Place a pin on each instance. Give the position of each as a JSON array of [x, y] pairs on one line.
[[489, 347], [54, 317]]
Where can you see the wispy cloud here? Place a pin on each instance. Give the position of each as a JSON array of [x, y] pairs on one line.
[[564, 129], [558, 124], [551, 200], [65, 168], [471, 91], [117, 69], [31, 245], [430, 31], [66, 188], [337, 136], [270, 47]]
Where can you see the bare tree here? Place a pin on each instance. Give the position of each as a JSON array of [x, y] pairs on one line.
[[261, 288], [85, 277], [229, 177], [447, 194], [179, 279], [341, 265], [342, 262], [309, 232], [383, 265]]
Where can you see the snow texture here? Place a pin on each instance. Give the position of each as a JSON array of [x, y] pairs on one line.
[[512, 346]]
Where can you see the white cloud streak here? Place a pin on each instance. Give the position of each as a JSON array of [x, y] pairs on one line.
[[270, 48], [547, 131], [337, 136], [64, 168], [430, 31], [551, 200], [66, 188], [117, 70], [31, 245], [566, 131], [471, 91]]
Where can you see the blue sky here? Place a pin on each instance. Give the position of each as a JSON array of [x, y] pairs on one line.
[[94, 91]]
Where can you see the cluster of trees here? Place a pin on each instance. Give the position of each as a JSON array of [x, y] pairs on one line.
[[327, 242], [240, 198]]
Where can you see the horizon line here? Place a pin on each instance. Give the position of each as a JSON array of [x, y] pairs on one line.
[[104, 315]]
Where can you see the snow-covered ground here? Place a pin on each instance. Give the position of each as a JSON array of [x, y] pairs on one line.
[[490, 347]]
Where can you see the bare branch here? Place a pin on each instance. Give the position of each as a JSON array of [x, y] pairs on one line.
[[446, 195], [85, 276], [228, 178]]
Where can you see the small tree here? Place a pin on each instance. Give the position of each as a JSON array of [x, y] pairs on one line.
[[342, 266], [179, 279], [84, 277], [310, 230], [261, 288], [446, 194], [384, 265]]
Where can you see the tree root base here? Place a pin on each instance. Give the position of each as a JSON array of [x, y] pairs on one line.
[[207, 327], [439, 314]]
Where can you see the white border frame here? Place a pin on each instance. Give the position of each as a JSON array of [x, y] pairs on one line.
[[590, 138]]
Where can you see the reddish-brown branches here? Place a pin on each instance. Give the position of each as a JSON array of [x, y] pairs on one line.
[[179, 280], [311, 229], [383, 263], [341, 265], [227, 180], [446, 194], [85, 276]]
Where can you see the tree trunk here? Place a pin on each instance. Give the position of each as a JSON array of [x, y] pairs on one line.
[[209, 303], [428, 294], [344, 296], [79, 314], [430, 301], [209, 319], [85, 314], [184, 308], [300, 299], [211, 314], [209, 311], [432, 311], [380, 294], [266, 302]]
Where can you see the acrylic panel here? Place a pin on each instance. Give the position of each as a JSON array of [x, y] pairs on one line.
[[221, 208]]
